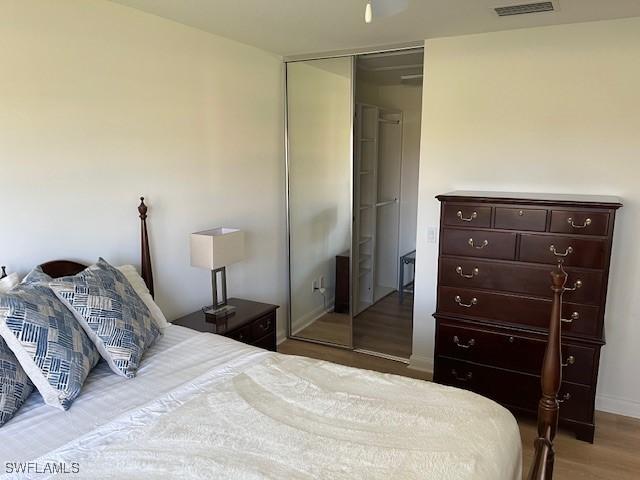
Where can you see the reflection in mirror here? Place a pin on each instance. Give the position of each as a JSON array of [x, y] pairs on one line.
[[319, 126]]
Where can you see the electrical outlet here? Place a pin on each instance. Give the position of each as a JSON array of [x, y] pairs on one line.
[[432, 235]]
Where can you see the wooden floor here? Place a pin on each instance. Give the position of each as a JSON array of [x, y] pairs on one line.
[[331, 327], [386, 326], [615, 454]]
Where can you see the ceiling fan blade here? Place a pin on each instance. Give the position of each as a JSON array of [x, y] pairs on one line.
[[386, 8]]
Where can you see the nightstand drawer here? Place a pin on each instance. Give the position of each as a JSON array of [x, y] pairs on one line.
[[253, 323], [242, 334], [263, 326], [267, 342]]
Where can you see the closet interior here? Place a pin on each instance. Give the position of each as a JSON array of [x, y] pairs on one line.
[[377, 166], [386, 155]]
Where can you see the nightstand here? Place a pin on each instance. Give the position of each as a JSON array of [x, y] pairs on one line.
[[253, 323]]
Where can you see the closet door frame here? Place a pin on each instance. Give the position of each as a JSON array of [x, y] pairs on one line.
[[353, 53]]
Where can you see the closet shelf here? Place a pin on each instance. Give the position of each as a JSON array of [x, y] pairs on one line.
[[368, 139], [365, 258], [387, 202], [365, 172], [364, 271], [386, 120]]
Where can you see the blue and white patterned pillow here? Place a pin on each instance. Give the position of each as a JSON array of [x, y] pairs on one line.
[[15, 385], [113, 315], [45, 337], [37, 276]]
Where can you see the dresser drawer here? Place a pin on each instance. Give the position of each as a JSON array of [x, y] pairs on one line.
[[577, 252], [513, 389], [263, 326], [467, 215], [514, 352], [584, 223], [525, 279], [521, 219], [517, 310], [478, 243]]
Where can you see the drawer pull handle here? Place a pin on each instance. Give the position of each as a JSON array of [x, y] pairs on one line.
[[552, 249], [586, 223], [473, 216], [576, 285], [458, 300], [521, 213], [574, 316], [479, 247], [565, 397], [265, 326], [469, 344], [466, 378], [460, 271], [570, 361]]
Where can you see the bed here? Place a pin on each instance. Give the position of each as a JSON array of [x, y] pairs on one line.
[[205, 406]]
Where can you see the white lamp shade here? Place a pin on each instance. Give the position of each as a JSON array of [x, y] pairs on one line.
[[217, 247]]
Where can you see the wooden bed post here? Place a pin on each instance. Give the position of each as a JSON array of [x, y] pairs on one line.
[[145, 260], [550, 380]]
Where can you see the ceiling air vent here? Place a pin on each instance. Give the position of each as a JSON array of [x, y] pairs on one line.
[[523, 9]]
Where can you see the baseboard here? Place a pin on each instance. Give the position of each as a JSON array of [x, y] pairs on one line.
[[421, 363], [617, 405]]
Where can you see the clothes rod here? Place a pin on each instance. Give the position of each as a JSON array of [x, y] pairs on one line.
[[386, 120], [388, 202]]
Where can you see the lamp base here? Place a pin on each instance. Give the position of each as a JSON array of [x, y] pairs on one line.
[[219, 313]]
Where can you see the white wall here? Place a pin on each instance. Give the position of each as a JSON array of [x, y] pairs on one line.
[[99, 104], [319, 130], [553, 109]]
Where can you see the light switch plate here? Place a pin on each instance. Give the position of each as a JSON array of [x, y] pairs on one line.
[[432, 234]]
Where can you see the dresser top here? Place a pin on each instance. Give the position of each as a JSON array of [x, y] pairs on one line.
[[602, 201]]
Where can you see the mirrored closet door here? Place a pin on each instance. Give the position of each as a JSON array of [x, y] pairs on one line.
[[320, 172], [353, 145]]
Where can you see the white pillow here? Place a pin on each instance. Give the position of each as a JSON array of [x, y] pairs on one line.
[[136, 281], [8, 282]]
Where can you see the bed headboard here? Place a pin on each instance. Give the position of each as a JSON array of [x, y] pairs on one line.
[[63, 268]]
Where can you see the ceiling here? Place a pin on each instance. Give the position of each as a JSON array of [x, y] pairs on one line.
[[292, 27]]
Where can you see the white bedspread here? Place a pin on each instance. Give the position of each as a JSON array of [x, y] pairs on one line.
[[232, 411]]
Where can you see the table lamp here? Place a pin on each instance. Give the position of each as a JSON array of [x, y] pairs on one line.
[[215, 249]]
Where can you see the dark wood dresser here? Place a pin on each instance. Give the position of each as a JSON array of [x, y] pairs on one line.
[[494, 296], [253, 323]]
